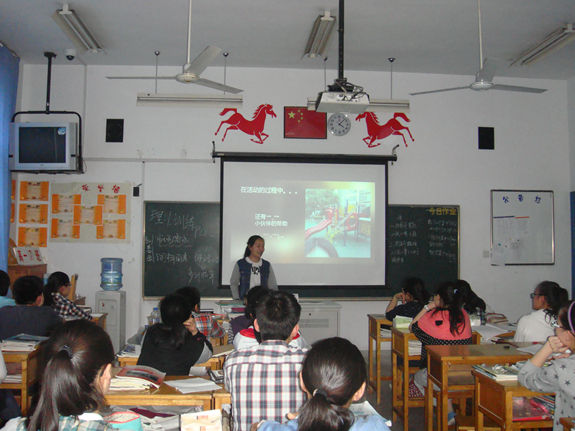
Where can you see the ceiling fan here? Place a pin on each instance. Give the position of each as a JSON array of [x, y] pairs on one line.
[[192, 70], [484, 78]]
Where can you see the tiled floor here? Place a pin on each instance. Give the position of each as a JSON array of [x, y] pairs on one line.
[[416, 417]]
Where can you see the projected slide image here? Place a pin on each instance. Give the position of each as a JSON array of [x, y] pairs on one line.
[[332, 223]]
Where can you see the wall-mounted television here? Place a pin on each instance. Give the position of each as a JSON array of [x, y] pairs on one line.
[[44, 147]]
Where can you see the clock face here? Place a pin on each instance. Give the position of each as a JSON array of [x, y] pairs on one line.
[[338, 124]]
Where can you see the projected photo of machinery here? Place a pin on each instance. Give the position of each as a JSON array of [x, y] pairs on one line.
[[338, 223]]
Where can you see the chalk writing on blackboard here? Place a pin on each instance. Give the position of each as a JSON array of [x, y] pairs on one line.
[[181, 247], [423, 241]]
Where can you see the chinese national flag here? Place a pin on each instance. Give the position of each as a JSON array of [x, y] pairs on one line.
[[304, 124]]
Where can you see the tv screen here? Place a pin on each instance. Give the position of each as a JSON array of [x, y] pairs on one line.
[[43, 147]]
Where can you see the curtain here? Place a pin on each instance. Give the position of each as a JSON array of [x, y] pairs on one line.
[[8, 88]]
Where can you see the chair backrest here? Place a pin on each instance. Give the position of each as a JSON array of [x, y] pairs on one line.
[[73, 281]]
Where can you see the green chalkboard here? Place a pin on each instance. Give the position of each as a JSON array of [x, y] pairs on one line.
[[181, 248], [423, 241]]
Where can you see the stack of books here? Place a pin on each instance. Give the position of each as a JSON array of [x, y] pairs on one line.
[[136, 377], [544, 402], [499, 373], [21, 343]]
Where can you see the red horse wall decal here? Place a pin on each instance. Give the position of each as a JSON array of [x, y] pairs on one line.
[[377, 131], [255, 127]]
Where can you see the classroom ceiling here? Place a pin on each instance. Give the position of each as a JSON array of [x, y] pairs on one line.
[[438, 36]]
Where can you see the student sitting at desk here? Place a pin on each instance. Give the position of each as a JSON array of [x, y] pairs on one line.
[[251, 300], [77, 363], [56, 294], [174, 345], [546, 301], [4, 287], [441, 322], [263, 379], [559, 376], [471, 302], [28, 316], [333, 375], [205, 323], [414, 297]]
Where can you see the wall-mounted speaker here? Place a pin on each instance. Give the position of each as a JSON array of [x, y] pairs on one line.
[[486, 137], [115, 130]]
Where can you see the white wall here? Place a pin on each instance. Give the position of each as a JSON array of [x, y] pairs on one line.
[[442, 166]]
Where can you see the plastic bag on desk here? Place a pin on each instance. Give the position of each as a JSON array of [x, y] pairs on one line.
[[137, 337]]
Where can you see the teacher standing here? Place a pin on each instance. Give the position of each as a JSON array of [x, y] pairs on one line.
[[252, 270]]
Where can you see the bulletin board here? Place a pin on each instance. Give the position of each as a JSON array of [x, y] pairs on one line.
[[522, 227]]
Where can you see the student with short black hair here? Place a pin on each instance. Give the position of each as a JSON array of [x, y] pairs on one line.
[[27, 316], [333, 375], [414, 297], [263, 379], [252, 298], [4, 287], [56, 294], [76, 364], [174, 345], [205, 323]]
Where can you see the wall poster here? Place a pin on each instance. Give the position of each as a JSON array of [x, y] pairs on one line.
[[90, 212]]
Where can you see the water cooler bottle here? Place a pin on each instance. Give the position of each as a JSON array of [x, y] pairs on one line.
[[113, 303]]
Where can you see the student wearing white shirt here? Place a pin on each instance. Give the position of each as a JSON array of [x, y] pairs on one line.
[[546, 300]]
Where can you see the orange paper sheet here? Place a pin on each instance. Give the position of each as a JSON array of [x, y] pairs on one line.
[[64, 204], [64, 229], [112, 229], [113, 204], [88, 214], [34, 190], [32, 236], [33, 213]]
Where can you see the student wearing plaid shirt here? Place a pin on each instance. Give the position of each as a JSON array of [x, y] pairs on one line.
[[263, 380], [205, 323], [55, 295]]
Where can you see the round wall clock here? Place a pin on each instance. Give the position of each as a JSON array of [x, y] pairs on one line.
[[339, 124]]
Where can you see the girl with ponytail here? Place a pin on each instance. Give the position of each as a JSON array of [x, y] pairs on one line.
[[333, 375], [76, 362], [441, 322], [558, 376]]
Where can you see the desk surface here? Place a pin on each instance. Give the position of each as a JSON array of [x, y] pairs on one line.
[[165, 395], [470, 354]]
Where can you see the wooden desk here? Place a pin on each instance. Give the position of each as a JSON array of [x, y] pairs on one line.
[[495, 400], [165, 395], [375, 321], [449, 367], [401, 402], [567, 423], [213, 363], [220, 398], [29, 362]]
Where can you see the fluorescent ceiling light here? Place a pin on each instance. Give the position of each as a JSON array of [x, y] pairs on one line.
[[319, 37], [375, 105], [190, 100], [551, 43], [76, 30]]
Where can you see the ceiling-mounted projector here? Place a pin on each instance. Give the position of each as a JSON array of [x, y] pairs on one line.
[[335, 101]]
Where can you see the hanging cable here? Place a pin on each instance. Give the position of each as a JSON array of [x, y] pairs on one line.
[[391, 60], [225, 54], [157, 61]]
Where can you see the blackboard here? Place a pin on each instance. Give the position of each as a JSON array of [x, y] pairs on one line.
[[423, 241], [181, 248]]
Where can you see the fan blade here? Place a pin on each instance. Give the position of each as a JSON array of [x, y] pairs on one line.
[[439, 91], [217, 86], [487, 71], [517, 88], [203, 60], [141, 77]]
